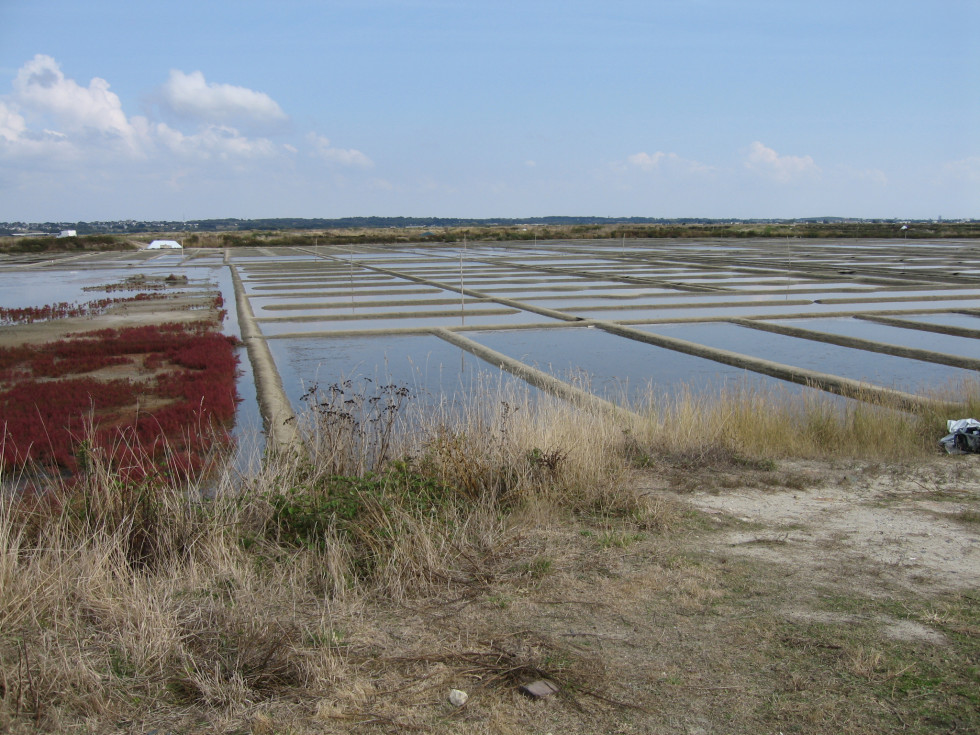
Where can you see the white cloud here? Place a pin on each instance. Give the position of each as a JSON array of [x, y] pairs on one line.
[[660, 160], [347, 157], [12, 125], [54, 121], [965, 169], [192, 97], [646, 161], [18, 141], [50, 116], [766, 162], [42, 87], [215, 142], [67, 144]]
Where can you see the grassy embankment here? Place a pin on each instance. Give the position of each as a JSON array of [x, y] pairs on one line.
[[260, 608]]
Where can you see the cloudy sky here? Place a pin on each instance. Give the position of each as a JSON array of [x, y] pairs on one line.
[[488, 108]]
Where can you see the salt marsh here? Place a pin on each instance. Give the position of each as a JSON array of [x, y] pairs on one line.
[[329, 313]]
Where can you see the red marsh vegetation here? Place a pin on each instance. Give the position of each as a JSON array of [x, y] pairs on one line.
[[152, 399]]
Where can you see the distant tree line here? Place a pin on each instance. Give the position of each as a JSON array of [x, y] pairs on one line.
[[529, 231], [246, 233], [294, 224], [51, 243]]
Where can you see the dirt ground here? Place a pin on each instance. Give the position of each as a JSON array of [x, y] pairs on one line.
[[185, 308], [910, 525], [815, 597]]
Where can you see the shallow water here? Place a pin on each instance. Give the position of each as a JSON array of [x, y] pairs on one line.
[[39, 288], [614, 367], [361, 295], [915, 338], [248, 421], [708, 311], [323, 325], [798, 285], [847, 362], [433, 369], [586, 289], [772, 308], [674, 300], [967, 321]]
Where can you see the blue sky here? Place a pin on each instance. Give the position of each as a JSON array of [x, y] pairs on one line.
[[660, 108]]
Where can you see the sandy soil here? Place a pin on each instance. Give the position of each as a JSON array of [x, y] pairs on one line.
[[186, 308], [905, 523]]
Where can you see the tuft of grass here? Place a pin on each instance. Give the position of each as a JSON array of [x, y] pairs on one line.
[[618, 540], [971, 517]]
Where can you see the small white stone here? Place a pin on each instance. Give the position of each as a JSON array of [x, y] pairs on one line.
[[457, 697]]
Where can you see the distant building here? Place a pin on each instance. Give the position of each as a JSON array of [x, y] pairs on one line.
[[164, 245], [68, 233]]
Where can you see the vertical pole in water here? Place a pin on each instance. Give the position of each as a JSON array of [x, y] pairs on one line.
[[462, 295], [789, 266], [462, 307], [352, 278]]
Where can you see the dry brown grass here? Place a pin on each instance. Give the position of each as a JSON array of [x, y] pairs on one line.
[[325, 593], [126, 603], [757, 422]]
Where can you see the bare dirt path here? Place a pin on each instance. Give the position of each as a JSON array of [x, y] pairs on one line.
[[914, 525]]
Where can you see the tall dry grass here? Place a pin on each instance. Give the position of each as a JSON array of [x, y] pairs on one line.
[[157, 602], [766, 422], [167, 605]]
